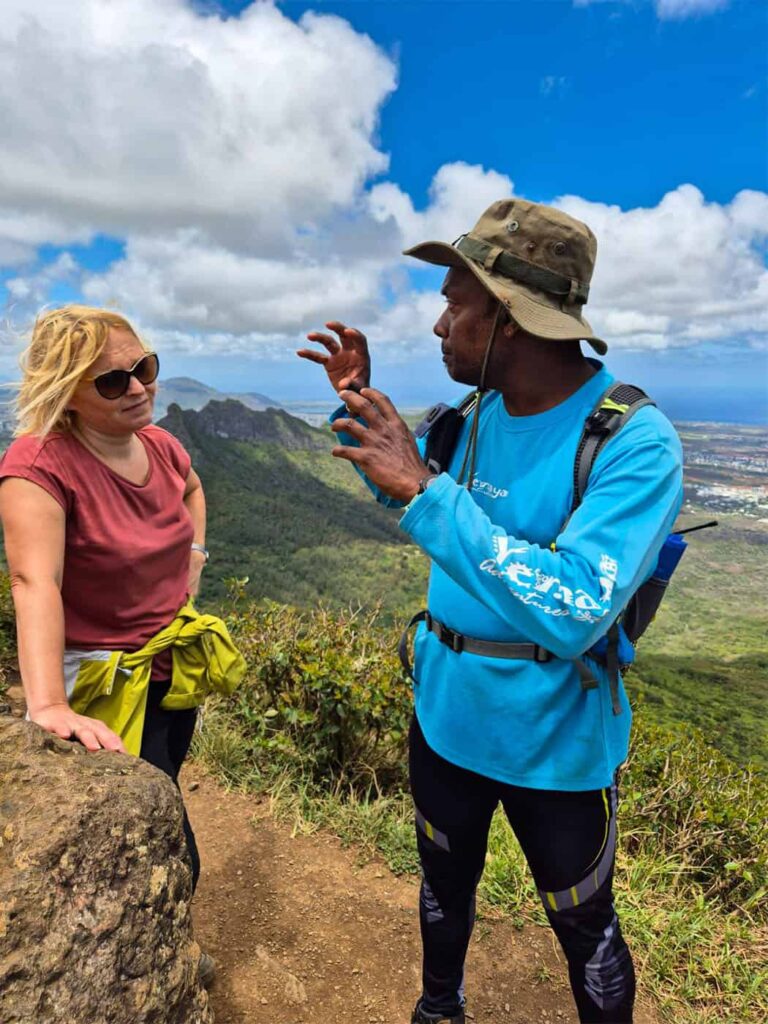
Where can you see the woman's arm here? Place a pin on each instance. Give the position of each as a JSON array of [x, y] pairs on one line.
[[34, 527], [194, 499]]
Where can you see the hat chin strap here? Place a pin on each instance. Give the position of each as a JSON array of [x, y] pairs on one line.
[[470, 452]]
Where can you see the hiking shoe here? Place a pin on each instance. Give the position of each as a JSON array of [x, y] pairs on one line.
[[420, 1017], [206, 970]]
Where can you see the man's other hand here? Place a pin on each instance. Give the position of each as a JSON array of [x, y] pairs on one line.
[[387, 454], [348, 363]]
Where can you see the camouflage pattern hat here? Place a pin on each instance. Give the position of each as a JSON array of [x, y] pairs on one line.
[[536, 260]]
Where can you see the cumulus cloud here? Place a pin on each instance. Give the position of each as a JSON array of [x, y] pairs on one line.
[[182, 281], [457, 196], [681, 272], [148, 115]]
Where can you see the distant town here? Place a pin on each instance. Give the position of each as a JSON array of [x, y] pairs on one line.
[[726, 468]]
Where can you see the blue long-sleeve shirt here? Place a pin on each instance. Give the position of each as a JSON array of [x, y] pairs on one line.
[[494, 576]]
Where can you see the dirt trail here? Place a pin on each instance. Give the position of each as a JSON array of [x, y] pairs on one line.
[[303, 935]]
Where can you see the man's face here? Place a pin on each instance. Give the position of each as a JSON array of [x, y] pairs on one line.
[[464, 325]]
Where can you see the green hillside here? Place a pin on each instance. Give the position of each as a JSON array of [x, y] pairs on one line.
[[300, 525]]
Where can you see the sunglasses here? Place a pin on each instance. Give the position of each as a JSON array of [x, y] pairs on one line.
[[114, 383]]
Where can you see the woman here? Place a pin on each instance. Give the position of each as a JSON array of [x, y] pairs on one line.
[[104, 522]]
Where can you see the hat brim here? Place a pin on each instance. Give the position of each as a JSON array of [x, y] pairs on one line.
[[536, 312]]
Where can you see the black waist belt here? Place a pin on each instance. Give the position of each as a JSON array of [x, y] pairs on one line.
[[522, 652], [458, 642]]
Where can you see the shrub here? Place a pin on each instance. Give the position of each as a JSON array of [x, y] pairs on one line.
[[324, 695]]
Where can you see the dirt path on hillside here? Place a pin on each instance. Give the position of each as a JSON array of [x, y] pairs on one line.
[[304, 935]]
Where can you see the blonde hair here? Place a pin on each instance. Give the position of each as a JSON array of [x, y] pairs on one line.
[[65, 342]]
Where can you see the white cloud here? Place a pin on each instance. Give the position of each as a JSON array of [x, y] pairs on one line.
[[684, 270], [669, 10], [553, 85], [147, 115], [679, 9], [458, 195], [181, 281]]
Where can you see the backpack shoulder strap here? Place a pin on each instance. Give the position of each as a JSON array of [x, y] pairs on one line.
[[441, 427], [614, 410], [437, 412]]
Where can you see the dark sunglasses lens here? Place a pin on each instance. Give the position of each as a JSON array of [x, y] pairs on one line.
[[112, 384], [147, 369]]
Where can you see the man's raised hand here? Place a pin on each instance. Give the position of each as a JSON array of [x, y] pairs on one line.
[[347, 364], [388, 454]]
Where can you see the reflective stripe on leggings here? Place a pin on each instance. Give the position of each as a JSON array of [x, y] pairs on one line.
[[577, 894], [438, 838]]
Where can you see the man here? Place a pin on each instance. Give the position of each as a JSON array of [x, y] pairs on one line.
[[512, 566]]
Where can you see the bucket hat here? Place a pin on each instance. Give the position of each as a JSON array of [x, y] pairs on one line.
[[536, 260]]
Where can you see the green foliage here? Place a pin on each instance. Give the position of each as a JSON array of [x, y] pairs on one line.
[[686, 802], [323, 696]]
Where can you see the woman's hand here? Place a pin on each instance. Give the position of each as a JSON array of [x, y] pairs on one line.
[[348, 364], [62, 721]]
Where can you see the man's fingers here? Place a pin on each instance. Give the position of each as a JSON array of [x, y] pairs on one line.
[[342, 451], [312, 355], [359, 405], [351, 427], [382, 403], [350, 337], [330, 343]]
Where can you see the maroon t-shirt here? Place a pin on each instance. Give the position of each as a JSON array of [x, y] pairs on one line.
[[127, 546]]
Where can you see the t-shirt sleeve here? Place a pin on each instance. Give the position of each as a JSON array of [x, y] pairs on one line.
[[32, 460], [173, 450]]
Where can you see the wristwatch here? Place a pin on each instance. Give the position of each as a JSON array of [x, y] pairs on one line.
[[425, 482], [203, 551]]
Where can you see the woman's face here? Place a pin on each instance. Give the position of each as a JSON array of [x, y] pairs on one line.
[[118, 416]]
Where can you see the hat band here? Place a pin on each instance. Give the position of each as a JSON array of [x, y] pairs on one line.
[[507, 265]]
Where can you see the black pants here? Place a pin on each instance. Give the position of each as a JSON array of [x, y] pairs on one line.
[[165, 743], [568, 840]]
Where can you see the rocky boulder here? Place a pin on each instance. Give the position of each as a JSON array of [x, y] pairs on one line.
[[94, 888]]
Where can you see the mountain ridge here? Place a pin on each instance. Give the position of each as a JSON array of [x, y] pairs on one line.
[[190, 393]]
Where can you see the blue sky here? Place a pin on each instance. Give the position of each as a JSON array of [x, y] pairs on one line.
[[239, 174], [606, 101]]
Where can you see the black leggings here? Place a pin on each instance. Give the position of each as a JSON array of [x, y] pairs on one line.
[[165, 743], [568, 840]]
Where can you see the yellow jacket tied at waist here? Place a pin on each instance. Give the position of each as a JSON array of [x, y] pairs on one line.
[[112, 686]]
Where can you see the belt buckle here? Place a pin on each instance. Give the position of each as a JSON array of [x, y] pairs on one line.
[[452, 639]]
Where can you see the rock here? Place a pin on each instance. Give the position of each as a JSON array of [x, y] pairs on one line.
[[94, 888]]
